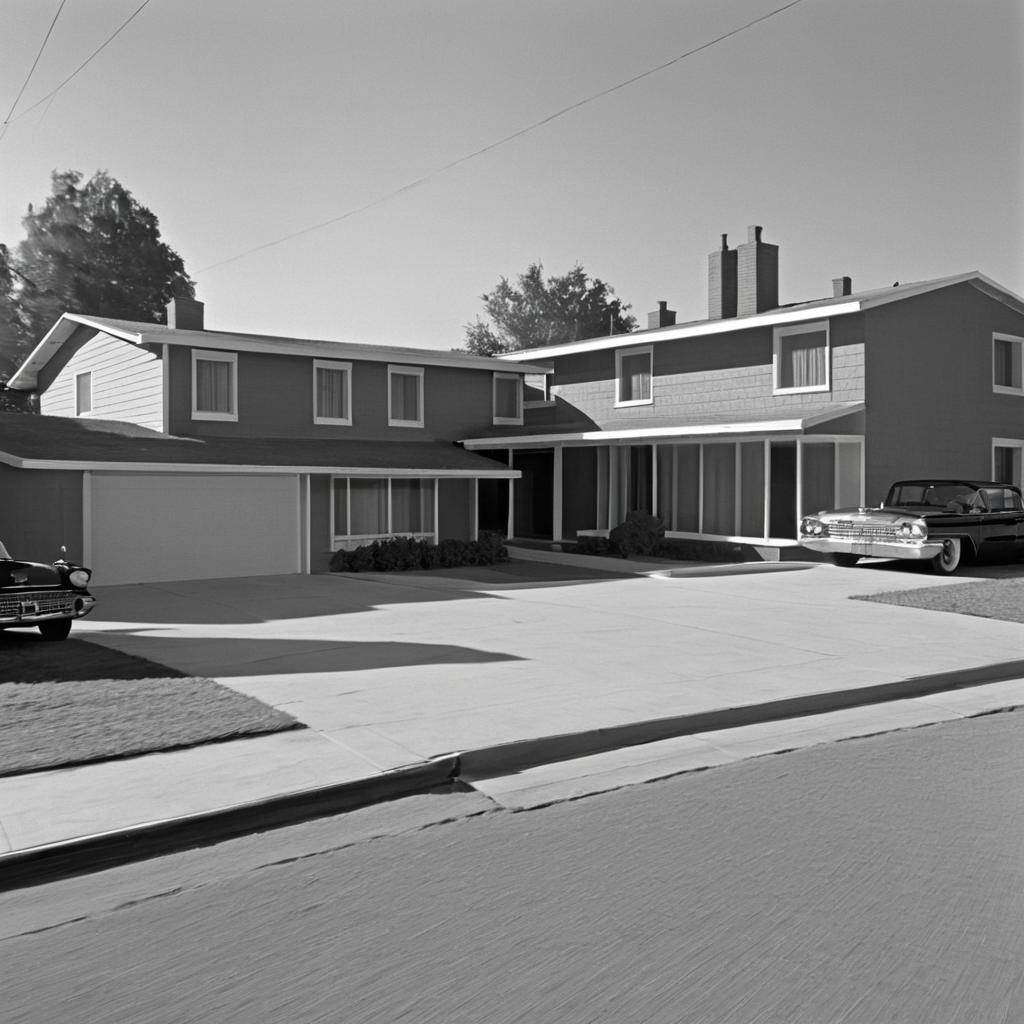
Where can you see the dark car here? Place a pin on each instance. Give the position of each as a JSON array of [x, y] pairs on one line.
[[47, 596], [942, 521]]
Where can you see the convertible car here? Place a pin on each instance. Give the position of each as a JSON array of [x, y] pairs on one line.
[[941, 521], [48, 596]]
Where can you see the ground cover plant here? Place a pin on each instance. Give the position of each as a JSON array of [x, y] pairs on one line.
[[406, 553], [75, 702]]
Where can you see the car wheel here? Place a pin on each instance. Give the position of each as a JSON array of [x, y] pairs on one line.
[[846, 561], [948, 560], [55, 629]]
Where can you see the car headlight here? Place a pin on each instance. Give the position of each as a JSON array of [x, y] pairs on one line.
[[79, 578], [811, 526], [915, 530]]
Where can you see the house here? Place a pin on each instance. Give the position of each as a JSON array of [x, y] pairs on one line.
[[179, 452], [734, 426]]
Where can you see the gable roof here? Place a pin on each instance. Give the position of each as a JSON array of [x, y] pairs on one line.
[[28, 441], [139, 333], [796, 312]]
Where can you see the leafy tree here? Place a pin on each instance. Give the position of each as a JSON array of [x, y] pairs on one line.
[[547, 312], [89, 248]]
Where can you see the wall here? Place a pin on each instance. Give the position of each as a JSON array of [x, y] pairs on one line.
[[127, 380], [320, 538], [455, 509], [930, 406], [41, 510]]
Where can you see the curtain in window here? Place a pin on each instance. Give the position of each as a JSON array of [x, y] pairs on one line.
[[213, 386], [405, 396], [330, 394], [412, 506], [369, 504], [341, 508], [506, 398], [636, 378], [803, 361]]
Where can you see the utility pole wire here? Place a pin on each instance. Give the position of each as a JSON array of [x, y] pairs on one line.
[[500, 142]]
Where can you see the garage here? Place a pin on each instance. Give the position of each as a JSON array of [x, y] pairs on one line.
[[143, 527]]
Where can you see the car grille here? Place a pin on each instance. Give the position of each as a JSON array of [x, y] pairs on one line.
[[49, 601], [847, 530]]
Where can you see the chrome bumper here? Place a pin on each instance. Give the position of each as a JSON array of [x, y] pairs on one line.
[[916, 550], [28, 609]]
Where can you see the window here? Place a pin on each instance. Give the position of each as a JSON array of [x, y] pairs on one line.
[[214, 385], [405, 396], [508, 398], [1006, 364], [633, 376], [801, 358], [83, 393], [1007, 461], [332, 392], [368, 508]]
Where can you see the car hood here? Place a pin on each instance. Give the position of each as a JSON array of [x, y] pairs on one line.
[[27, 574], [889, 514]]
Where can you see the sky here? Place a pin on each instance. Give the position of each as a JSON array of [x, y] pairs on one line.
[[880, 139]]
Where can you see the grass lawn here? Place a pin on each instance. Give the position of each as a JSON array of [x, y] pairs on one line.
[[990, 599], [69, 703]]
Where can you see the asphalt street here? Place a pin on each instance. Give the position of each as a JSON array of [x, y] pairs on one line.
[[871, 880]]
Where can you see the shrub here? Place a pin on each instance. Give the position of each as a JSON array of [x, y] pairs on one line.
[[491, 548], [398, 554], [593, 546], [640, 534]]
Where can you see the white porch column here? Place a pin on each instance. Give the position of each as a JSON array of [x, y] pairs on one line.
[[511, 501], [799, 484], [474, 497], [767, 489], [556, 494]]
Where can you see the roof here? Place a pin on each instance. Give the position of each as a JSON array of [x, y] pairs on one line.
[[797, 312], [28, 441], [139, 333]]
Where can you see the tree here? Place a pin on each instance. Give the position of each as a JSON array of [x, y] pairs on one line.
[[538, 312], [89, 248]]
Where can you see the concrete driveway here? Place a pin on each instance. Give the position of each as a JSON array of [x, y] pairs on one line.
[[404, 666]]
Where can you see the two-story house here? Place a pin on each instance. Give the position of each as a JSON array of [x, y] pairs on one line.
[[178, 452], [734, 426]]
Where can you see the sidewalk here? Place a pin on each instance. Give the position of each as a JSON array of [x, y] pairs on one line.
[[408, 680]]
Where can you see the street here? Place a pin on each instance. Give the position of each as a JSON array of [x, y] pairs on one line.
[[871, 880]]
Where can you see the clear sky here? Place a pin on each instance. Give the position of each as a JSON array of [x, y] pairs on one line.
[[880, 139]]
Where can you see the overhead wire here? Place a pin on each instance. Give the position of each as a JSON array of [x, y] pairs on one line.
[[500, 142]]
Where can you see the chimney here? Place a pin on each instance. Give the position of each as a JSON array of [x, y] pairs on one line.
[[841, 286], [185, 314], [661, 317], [722, 282], [758, 274]]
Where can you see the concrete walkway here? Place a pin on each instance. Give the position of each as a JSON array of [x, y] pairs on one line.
[[510, 669]]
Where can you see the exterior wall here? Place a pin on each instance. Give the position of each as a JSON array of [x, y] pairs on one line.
[[455, 509], [127, 382], [579, 490], [930, 408], [319, 523], [275, 399], [40, 511], [725, 376]]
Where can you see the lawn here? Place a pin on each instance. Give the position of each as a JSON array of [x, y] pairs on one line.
[[990, 599], [69, 703]]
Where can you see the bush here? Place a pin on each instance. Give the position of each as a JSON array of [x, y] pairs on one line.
[[593, 546], [399, 554], [640, 534]]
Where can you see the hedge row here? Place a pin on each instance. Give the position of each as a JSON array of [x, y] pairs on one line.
[[397, 554], [644, 534]]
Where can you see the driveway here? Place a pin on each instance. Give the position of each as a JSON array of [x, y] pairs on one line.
[[400, 667]]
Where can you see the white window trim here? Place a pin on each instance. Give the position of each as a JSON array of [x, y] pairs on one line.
[[409, 371], [216, 357], [625, 352], [78, 410], [1006, 442], [346, 368], [511, 420], [787, 331], [1003, 389]]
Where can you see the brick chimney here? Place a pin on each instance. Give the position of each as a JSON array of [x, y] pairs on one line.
[[661, 317], [758, 274], [722, 282], [185, 314], [841, 286]]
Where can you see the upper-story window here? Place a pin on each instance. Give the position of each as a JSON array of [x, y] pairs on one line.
[[405, 396], [801, 358], [83, 393], [633, 371], [1006, 364], [508, 398], [332, 392], [214, 385]]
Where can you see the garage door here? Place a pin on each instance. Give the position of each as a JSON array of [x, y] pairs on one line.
[[186, 526]]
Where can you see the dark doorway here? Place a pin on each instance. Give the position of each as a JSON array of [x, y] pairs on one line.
[[782, 519], [534, 493], [641, 497], [492, 497]]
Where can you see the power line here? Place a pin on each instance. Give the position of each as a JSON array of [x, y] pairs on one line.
[[95, 53], [500, 142], [24, 85]]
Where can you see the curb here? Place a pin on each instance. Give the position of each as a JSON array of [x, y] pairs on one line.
[[53, 861]]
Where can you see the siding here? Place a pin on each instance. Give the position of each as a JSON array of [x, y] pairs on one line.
[[127, 383], [41, 510]]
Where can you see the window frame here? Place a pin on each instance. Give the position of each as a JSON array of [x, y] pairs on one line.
[[779, 336], [1007, 389], [346, 368], [79, 411], [1015, 445], [215, 356], [338, 540], [517, 379], [407, 371], [625, 353]]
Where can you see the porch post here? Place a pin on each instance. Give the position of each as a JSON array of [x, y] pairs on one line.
[[556, 494], [511, 501], [799, 484], [767, 489], [474, 498]]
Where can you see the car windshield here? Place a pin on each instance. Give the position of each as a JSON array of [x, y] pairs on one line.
[[3, 551], [930, 495]]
